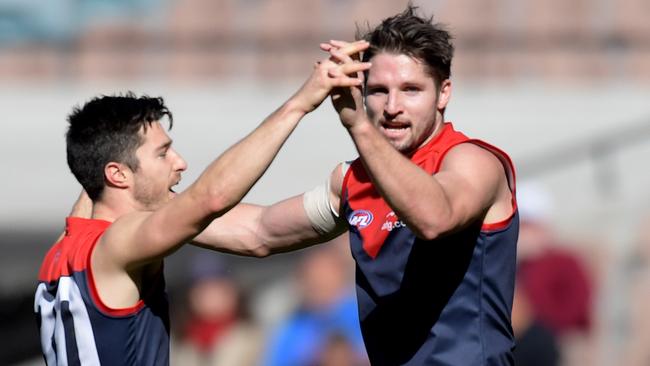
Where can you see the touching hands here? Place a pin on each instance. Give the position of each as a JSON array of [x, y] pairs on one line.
[[347, 100], [341, 70]]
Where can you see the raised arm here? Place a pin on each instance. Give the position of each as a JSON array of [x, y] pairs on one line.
[[470, 186], [142, 237], [403, 108]]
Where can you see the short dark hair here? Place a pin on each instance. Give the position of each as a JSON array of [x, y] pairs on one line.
[[107, 129], [415, 36]]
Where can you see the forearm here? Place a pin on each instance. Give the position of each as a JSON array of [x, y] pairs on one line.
[[259, 231], [415, 196], [224, 186], [232, 175]]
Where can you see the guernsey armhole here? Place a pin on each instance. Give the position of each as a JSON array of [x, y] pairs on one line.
[[510, 176], [94, 294], [500, 225]]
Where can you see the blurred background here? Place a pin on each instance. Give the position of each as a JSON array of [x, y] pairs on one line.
[[562, 86]]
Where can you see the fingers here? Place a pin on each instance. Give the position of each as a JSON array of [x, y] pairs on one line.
[[350, 48], [326, 47], [342, 68], [349, 69], [344, 56], [349, 74], [338, 43], [340, 57]]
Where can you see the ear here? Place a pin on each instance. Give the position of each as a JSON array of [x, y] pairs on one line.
[[117, 175], [444, 94]]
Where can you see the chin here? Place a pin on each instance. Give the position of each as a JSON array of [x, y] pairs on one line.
[[403, 147]]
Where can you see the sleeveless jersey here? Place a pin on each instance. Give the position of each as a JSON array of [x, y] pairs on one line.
[[76, 328], [446, 301]]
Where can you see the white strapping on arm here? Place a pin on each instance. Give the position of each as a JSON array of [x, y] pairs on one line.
[[323, 216]]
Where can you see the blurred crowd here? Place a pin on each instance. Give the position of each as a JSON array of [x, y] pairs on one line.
[[191, 41]]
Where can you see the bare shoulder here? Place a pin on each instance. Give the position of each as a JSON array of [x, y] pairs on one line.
[[127, 224], [481, 171], [472, 157], [120, 237]]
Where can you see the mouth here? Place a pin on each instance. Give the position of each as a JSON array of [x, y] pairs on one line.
[[394, 128], [172, 192]]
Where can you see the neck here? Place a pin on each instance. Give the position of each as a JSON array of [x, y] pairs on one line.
[[105, 212], [110, 207], [437, 127]]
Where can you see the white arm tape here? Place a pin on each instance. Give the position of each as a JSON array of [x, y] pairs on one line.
[[319, 209]]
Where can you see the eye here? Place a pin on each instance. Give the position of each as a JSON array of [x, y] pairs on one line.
[[412, 89], [377, 90]]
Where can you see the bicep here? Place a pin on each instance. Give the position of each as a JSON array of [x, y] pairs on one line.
[[261, 230], [470, 177], [235, 232], [286, 226]]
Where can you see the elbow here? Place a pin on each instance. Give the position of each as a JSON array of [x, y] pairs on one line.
[[432, 230], [427, 233], [258, 246], [259, 251], [218, 202]]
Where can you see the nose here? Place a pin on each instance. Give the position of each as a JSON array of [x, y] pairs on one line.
[[393, 104], [180, 164]]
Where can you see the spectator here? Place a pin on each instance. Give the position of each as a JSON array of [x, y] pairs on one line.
[[325, 319], [338, 351], [536, 344], [554, 279], [217, 330]]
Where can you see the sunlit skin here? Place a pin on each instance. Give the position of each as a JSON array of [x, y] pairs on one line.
[[402, 100], [160, 168]]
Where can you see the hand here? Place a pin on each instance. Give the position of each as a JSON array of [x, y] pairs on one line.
[[348, 101], [339, 70], [83, 207]]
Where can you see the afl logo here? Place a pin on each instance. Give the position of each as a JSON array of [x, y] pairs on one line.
[[360, 218]]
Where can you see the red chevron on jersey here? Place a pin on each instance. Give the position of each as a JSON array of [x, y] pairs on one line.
[[371, 215]]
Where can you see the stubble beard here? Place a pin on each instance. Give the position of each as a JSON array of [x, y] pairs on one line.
[[146, 197]]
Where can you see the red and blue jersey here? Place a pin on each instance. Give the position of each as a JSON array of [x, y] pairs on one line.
[[76, 327], [446, 301]]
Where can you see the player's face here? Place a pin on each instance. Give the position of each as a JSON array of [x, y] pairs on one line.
[[160, 168], [402, 100]]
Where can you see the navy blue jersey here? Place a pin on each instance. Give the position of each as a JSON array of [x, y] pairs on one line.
[[77, 328], [442, 302]]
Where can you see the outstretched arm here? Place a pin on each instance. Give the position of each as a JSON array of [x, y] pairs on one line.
[[143, 237], [255, 230]]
